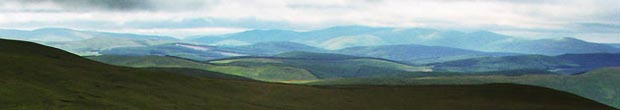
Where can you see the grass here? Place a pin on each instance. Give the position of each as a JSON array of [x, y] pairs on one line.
[[600, 85]]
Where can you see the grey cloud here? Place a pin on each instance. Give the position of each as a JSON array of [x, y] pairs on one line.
[[123, 5], [106, 4]]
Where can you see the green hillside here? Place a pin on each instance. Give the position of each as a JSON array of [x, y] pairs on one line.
[[600, 85], [258, 72], [39, 77], [323, 68], [286, 67]]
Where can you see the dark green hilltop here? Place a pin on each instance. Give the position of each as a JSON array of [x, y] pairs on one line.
[[39, 77]]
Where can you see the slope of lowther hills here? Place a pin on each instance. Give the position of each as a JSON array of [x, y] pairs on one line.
[[600, 84], [40, 77]]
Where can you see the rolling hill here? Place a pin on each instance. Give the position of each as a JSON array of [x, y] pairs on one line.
[[205, 52], [274, 48], [189, 51], [617, 45], [85, 42], [326, 65], [417, 54], [555, 46], [600, 85], [41, 77], [259, 72], [568, 63], [285, 67]]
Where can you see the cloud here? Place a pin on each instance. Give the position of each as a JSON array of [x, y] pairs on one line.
[[517, 17], [104, 5]]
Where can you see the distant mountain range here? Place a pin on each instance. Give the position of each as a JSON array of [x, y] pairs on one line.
[[85, 42], [205, 52], [334, 38], [351, 36], [184, 50]]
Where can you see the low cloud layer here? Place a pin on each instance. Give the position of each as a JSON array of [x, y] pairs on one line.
[[593, 20]]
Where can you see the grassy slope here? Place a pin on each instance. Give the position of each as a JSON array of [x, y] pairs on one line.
[[325, 69], [259, 72], [600, 85], [271, 69], [37, 77]]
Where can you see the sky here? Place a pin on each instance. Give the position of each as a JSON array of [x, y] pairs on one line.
[[591, 20]]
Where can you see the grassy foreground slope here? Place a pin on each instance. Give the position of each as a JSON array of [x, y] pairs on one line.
[[39, 77], [601, 84]]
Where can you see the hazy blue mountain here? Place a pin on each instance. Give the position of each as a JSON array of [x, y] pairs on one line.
[[350, 36], [555, 46], [416, 53], [251, 36], [44, 34], [568, 63], [617, 45], [205, 52], [63, 34], [183, 50], [592, 61], [91, 42], [84, 42], [315, 56], [473, 41], [275, 47]]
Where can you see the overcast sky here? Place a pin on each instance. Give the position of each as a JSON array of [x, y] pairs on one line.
[[591, 20]]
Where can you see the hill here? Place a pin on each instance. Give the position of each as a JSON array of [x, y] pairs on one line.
[[593, 60], [290, 66], [315, 56], [273, 48], [257, 72], [568, 63], [168, 64], [189, 51], [600, 85], [205, 52], [417, 54], [617, 45], [65, 81], [555, 46], [85, 42], [325, 65]]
